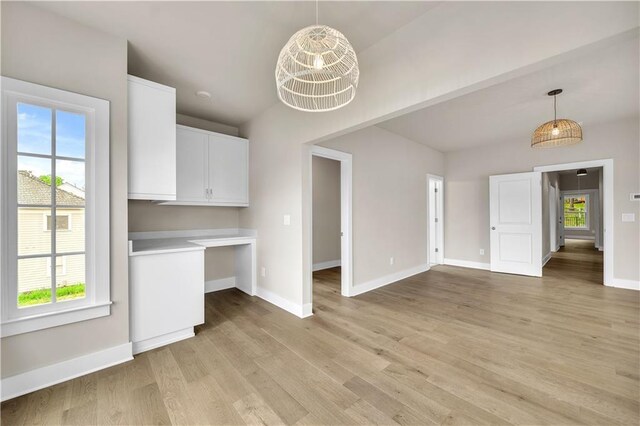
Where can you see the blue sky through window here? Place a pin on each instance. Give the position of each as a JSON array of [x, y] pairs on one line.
[[34, 136]]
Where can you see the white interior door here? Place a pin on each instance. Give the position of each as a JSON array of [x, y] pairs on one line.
[[516, 223], [561, 221], [436, 240], [553, 222]]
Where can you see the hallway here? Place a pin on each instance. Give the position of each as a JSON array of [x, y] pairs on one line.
[[578, 260]]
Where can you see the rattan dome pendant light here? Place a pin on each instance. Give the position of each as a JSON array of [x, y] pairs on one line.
[[317, 70], [559, 132]]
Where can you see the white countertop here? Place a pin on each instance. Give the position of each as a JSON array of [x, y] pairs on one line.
[[147, 243]]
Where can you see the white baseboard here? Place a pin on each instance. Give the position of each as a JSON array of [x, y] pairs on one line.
[[165, 339], [307, 310], [387, 279], [326, 265], [219, 284], [467, 264], [50, 375], [546, 259], [301, 311], [622, 283]]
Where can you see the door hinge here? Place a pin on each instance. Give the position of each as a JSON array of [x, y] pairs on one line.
[[436, 219], [435, 189], [436, 250]]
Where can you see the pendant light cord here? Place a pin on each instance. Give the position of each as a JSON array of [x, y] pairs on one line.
[[316, 12], [555, 112]]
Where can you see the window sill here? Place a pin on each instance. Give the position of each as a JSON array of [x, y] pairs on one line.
[[54, 319]]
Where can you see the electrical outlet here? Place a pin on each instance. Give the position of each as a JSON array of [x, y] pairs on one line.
[[263, 272], [481, 252], [391, 261], [286, 220]]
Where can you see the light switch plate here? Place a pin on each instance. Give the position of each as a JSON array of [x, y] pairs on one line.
[[628, 217], [286, 220]]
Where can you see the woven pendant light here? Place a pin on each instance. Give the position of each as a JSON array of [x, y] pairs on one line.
[[317, 70], [559, 132]]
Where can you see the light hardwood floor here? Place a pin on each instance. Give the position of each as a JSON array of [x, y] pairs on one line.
[[449, 346]]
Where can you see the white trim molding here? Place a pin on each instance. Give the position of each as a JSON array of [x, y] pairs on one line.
[[326, 265], [388, 279], [54, 319], [301, 311], [219, 284], [546, 259], [162, 340], [50, 375], [467, 264], [628, 284]]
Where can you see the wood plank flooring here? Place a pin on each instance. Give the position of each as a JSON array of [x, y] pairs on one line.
[[578, 260], [449, 346]]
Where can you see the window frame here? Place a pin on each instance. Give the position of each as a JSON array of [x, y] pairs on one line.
[[97, 247], [587, 210]]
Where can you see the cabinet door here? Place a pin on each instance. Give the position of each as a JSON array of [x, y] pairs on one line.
[[152, 140], [228, 170], [193, 176]]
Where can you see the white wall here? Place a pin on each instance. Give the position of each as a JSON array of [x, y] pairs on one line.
[[326, 210], [47, 49], [389, 200], [407, 70], [467, 188]]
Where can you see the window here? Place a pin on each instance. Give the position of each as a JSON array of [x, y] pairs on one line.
[[55, 222], [63, 222], [576, 211]]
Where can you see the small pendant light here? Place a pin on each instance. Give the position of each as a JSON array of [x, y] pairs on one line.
[[559, 132]]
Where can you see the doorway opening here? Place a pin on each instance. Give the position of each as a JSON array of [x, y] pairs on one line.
[[435, 198], [331, 238], [574, 224], [576, 218]]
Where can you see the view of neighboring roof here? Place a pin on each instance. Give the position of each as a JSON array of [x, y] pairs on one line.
[[31, 190]]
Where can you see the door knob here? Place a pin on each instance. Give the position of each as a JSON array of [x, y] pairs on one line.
[[493, 228]]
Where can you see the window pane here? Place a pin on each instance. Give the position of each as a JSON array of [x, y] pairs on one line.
[[70, 134], [70, 277], [70, 177], [575, 211], [34, 180], [70, 230], [34, 281], [34, 129], [33, 236]]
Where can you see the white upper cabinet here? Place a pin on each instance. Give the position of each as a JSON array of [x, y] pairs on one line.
[[213, 169], [152, 140], [192, 165], [228, 170]]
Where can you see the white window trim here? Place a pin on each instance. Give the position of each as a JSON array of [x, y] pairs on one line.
[[97, 301], [68, 215], [574, 193]]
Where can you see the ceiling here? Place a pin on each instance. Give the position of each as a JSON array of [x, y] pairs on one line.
[[228, 48], [598, 87]]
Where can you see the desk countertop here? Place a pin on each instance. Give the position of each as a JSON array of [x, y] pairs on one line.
[[147, 243]]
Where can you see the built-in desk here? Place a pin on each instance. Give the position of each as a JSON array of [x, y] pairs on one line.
[[166, 280]]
